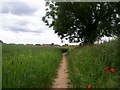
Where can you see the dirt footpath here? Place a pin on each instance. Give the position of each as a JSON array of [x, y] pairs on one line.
[[61, 80]]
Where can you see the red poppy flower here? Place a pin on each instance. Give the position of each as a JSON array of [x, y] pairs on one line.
[[89, 86], [106, 68], [112, 69]]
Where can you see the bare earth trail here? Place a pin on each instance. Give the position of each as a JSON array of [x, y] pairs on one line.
[[61, 80]]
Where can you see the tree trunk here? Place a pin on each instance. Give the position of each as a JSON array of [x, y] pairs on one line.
[[91, 33]]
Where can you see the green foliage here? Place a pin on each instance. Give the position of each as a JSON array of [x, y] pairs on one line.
[[82, 22], [64, 50], [29, 66], [86, 66]]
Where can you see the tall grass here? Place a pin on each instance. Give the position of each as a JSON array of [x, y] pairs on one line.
[[118, 45], [119, 49], [0, 65], [29, 66], [86, 66]]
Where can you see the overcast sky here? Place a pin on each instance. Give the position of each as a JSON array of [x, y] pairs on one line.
[[21, 22]]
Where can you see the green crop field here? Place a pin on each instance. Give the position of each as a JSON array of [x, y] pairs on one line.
[[86, 66], [25, 66]]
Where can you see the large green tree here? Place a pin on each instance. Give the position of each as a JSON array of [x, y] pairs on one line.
[[83, 22]]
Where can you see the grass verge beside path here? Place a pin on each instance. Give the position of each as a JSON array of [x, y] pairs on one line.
[[29, 66], [86, 66]]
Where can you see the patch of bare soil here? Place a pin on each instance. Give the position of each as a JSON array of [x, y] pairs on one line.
[[61, 80]]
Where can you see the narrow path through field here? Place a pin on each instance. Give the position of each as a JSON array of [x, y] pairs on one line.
[[61, 80]]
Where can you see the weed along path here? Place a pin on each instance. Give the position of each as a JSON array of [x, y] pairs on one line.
[[61, 80]]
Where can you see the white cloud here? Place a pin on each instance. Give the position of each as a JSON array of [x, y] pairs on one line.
[[21, 23], [25, 29], [31, 38]]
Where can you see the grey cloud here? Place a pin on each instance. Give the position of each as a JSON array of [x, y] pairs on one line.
[[21, 19], [22, 22], [18, 28], [18, 8]]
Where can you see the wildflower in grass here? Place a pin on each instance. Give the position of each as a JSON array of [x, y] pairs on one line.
[[89, 86], [112, 69], [106, 68]]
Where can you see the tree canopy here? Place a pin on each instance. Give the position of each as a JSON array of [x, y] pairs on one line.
[[83, 22]]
